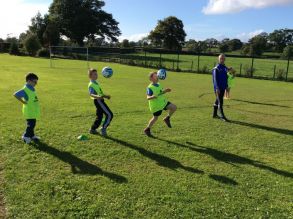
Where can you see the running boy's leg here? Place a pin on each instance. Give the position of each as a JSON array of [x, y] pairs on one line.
[[29, 132], [108, 113], [99, 114], [172, 109]]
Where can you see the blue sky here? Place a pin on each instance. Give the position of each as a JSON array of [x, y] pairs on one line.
[[202, 18]]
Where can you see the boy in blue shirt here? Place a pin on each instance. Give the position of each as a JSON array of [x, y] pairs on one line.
[[31, 109], [96, 93]]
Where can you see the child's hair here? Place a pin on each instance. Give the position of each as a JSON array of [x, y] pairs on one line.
[[222, 54], [31, 76], [152, 74], [92, 70]]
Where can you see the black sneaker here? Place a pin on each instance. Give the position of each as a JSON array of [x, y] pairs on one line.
[[93, 132], [147, 132], [216, 117], [167, 121]]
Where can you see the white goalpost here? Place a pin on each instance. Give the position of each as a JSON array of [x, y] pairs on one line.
[[68, 52]]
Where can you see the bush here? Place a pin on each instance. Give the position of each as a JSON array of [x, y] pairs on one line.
[[205, 69], [43, 52], [32, 44], [14, 50], [248, 71], [287, 52], [281, 74]]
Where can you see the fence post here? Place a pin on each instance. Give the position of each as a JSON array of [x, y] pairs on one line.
[[191, 65], [198, 63], [288, 66], [50, 48], [178, 61], [173, 65], [240, 68], [145, 58], [252, 63], [274, 72], [87, 57], [160, 59]]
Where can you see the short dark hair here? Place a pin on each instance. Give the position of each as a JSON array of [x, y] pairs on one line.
[[92, 70], [152, 74], [31, 76]]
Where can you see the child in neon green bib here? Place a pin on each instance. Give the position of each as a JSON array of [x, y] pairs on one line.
[[158, 102], [30, 106], [231, 83]]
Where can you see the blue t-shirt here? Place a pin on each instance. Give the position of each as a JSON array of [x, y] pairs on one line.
[[220, 77], [92, 90], [149, 91], [21, 93]]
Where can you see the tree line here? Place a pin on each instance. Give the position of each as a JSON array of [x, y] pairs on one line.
[[84, 23]]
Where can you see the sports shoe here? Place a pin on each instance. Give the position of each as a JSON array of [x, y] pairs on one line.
[[224, 119], [103, 132], [93, 132], [216, 117], [167, 121], [147, 132], [26, 140], [36, 138]]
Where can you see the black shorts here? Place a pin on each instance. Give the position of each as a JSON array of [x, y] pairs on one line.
[[158, 113]]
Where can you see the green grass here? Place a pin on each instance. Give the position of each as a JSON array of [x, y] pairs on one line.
[[201, 168], [263, 67]]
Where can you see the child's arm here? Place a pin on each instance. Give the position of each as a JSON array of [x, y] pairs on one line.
[[20, 99], [151, 97], [167, 90], [100, 97], [20, 96]]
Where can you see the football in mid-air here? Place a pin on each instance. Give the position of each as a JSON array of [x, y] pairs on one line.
[[107, 72], [162, 74]]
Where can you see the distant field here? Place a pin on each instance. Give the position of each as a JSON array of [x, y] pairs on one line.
[[201, 168], [263, 67]]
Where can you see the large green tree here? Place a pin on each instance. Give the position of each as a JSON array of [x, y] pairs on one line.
[[169, 33], [81, 19], [281, 38], [256, 45]]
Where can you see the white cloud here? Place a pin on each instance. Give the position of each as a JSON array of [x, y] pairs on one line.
[[244, 37], [15, 16], [134, 37], [234, 6]]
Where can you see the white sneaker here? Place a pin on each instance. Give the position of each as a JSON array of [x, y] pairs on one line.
[[36, 138], [26, 140]]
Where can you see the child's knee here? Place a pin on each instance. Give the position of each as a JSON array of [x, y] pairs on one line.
[[173, 107], [155, 118]]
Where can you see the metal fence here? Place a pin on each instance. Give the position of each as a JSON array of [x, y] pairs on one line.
[[264, 67]]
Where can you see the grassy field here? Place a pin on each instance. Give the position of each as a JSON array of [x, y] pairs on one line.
[[263, 67], [201, 168]]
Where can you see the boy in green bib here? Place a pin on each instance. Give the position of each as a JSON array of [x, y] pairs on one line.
[[30, 106], [96, 93], [231, 83], [158, 102]]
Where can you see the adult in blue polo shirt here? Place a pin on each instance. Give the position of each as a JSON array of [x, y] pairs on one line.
[[220, 81]]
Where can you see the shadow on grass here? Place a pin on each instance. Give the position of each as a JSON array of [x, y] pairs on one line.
[[78, 166], [235, 159], [259, 103], [223, 179], [161, 160], [272, 129]]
